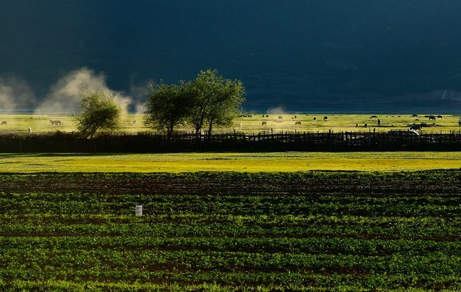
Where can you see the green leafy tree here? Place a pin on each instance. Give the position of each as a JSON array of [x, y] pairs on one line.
[[215, 101], [167, 106], [99, 113]]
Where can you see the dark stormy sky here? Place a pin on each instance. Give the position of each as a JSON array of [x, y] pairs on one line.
[[301, 54]]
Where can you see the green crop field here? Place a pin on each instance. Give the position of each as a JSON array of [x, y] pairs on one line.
[[238, 162], [265, 221], [320, 231], [335, 122]]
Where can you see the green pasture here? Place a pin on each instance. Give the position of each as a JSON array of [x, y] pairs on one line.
[[236, 162], [254, 124]]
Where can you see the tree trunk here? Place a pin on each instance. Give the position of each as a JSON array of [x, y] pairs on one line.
[[169, 132], [198, 127], [210, 129]]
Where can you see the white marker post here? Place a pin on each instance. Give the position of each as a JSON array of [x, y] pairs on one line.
[[138, 210]]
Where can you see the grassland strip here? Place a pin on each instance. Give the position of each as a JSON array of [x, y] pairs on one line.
[[226, 162]]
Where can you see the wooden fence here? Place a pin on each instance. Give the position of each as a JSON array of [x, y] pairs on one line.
[[183, 142]]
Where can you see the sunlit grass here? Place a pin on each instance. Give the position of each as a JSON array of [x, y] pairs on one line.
[[335, 122], [239, 162]]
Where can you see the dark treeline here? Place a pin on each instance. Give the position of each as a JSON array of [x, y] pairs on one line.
[[185, 142]]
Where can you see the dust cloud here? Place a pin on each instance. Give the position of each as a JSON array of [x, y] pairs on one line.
[[65, 95], [138, 93], [15, 94], [280, 110]]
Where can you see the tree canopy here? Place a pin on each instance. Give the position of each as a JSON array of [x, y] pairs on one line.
[[207, 101], [99, 113], [167, 106], [215, 100]]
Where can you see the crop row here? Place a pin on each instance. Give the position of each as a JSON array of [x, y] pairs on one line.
[[262, 281], [49, 262], [310, 245], [272, 184], [75, 203]]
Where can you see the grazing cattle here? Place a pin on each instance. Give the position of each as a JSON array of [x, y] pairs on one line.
[[366, 125], [55, 122], [416, 127], [379, 122], [440, 116], [427, 116], [325, 118], [298, 124], [264, 124], [414, 115], [280, 117], [296, 117], [431, 118], [374, 117], [267, 116], [315, 118], [5, 123], [459, 122]]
